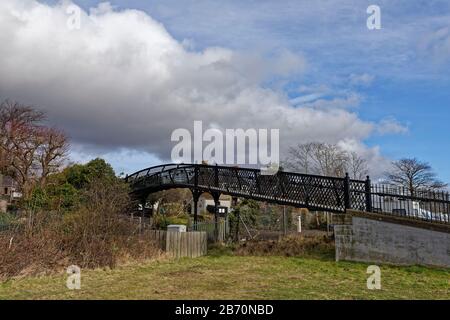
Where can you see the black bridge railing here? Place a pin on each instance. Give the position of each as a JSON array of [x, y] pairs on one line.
[[428, 205], [318, 193]]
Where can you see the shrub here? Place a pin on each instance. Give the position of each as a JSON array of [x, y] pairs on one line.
[[95, 234], [161, 221], [294, 245]]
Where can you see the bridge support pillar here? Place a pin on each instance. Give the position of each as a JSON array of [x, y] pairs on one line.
[[195, 197], [216, 197], [143, 202], [152, 205]]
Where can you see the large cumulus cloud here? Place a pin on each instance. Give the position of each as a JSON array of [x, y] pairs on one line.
[[123, 82]]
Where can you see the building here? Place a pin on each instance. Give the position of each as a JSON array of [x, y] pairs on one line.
[[8, 192], [206, 200]]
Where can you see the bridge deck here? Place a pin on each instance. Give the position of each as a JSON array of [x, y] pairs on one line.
[[299, 190]]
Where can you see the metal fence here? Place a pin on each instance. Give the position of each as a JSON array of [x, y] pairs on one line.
[[223, 230], [426, 205], [432, 206]]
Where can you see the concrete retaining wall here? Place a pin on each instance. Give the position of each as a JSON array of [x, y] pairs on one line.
[[376, 238]]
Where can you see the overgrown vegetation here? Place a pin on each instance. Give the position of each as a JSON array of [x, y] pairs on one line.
[[69, 188], [78, 218], [289, 246], [170, 207], [255, 215], [66, 215]]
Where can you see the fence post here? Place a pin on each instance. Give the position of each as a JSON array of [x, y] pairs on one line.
[[347, 191], [368, 187], [195, 198], [237, 221]]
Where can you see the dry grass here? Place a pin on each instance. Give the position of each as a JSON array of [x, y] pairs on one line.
[[84, 240], [289, 246], [237, 277]]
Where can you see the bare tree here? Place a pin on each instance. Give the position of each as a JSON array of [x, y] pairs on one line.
[[29, 151], [329, 160], [53, 149], [3, 161], [413, 175], [325, 159], [300, 158], [18, 143], [357, 166]]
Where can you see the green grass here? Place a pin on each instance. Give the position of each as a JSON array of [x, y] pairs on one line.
[[223, 276]]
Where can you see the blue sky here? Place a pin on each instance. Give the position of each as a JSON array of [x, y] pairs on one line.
[[399, 74]]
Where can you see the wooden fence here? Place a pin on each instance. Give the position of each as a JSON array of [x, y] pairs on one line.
[[181, 244]]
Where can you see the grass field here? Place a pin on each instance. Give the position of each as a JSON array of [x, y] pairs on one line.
[[236, 277]]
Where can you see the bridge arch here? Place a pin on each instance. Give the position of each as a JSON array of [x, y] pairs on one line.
[[285, 188]]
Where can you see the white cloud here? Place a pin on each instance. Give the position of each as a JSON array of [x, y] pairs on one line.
[[123, 82], [376, 162], [334, 32], [122, 160], [306, 98], [390, 125], [436, 44], [336, 101], [288, 63], [363, 80]]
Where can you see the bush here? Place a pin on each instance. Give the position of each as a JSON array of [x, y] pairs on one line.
[[294, 245], [161, 221], [6, 218], [95, 234], [12, 208]]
